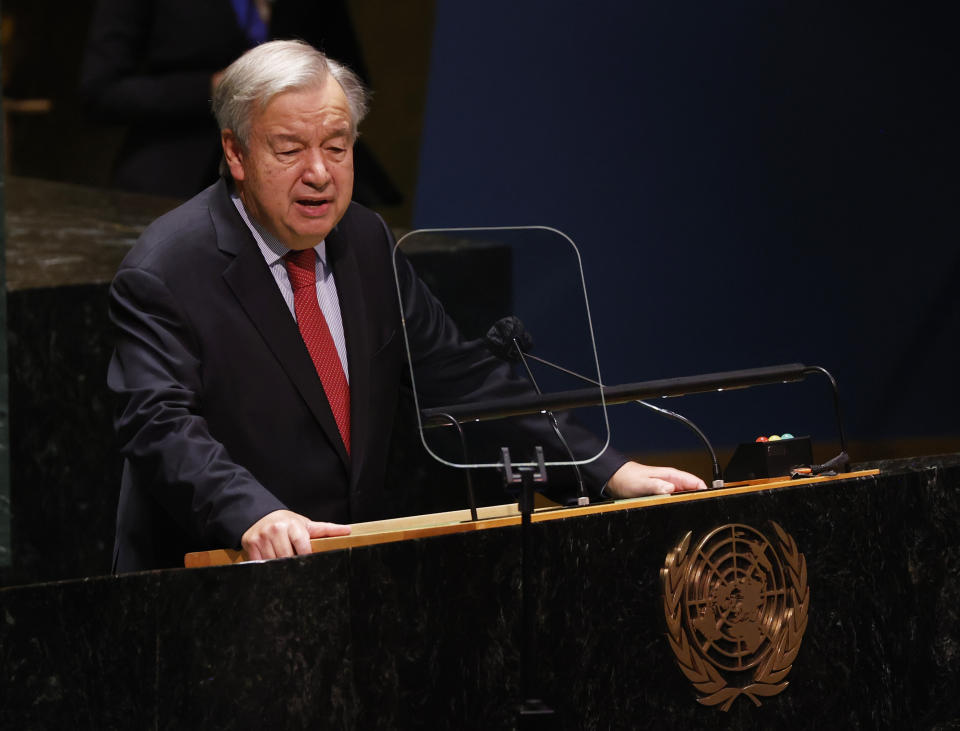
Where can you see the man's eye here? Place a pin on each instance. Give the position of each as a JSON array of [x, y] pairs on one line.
[[336, 150], [288, 152]]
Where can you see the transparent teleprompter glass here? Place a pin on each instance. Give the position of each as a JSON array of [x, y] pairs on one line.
[[475, 277]]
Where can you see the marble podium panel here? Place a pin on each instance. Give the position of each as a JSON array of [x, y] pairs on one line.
[[425, 632]]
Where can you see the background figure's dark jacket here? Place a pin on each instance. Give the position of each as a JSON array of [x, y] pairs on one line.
[[222, 418], [148, 65]]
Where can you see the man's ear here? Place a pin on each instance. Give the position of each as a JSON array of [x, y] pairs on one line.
[[232, 153]]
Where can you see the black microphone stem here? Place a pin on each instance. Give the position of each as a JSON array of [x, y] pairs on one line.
[[842, 460], [466, 459], [717, 473], [584, 499], [526, 367]]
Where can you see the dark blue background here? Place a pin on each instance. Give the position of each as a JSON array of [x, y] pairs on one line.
[[749, 184]]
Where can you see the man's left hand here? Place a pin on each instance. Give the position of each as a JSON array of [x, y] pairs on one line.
[[634, 480]]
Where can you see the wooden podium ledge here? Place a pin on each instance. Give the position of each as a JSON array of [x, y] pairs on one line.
[[498, 516]]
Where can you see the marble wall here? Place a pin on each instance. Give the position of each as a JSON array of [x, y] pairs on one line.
[[5, 555], [64, 472]]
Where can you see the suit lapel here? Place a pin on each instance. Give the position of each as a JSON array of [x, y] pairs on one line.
[[253, 285], [353, 311]]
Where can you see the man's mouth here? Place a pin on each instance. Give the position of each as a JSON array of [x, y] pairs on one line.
[[314, 207]]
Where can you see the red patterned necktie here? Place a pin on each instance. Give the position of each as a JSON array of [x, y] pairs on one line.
[[316, 335]]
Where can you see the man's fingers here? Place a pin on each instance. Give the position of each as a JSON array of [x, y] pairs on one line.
[[272, 535], [280, 542], [656, 486], [686, 481], [284, 533], [680, 479], [266, 549], [324, 530], [300, 539]]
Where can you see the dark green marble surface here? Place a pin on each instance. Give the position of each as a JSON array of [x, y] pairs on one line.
[[60, 234], [5, 552], [425, 633], [63, 245]]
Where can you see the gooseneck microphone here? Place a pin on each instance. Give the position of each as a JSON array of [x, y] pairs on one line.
[[506, 335], [509, 339]]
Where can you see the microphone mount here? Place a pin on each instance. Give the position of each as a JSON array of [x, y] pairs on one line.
[[611, 395], [717, 472], [663, 388]]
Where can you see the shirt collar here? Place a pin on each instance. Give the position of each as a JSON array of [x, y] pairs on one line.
[[271, 247]]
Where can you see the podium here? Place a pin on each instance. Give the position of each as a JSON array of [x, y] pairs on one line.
[[423, 631]]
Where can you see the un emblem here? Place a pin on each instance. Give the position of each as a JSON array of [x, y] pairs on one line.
[[736, 610]]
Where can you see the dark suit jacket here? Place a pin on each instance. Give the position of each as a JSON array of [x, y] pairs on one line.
[[222, 418]]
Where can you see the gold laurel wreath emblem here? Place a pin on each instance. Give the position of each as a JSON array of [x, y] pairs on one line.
[[768, 678]]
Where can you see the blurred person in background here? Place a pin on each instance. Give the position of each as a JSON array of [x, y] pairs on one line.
[[153, 66]]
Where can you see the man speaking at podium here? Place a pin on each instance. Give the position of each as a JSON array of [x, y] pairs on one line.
[[259, 350]]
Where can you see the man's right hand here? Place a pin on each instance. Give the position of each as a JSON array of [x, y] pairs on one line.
[[284, 533]]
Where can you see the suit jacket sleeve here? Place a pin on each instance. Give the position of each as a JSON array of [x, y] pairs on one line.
[[156, 372]]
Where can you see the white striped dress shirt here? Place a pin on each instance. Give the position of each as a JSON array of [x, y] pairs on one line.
[[273, 252]]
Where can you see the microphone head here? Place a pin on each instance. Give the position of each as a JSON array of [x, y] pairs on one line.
[[501, 335]]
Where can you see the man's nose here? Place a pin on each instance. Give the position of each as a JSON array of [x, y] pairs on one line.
[[315, 171]]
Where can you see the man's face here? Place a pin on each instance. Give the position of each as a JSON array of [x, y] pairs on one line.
[[295, 177]]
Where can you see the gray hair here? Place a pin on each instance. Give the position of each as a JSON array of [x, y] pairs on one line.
[[273, 68]]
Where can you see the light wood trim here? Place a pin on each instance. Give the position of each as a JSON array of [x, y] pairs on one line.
[[378, 531], [498, 516], [27, 106]]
